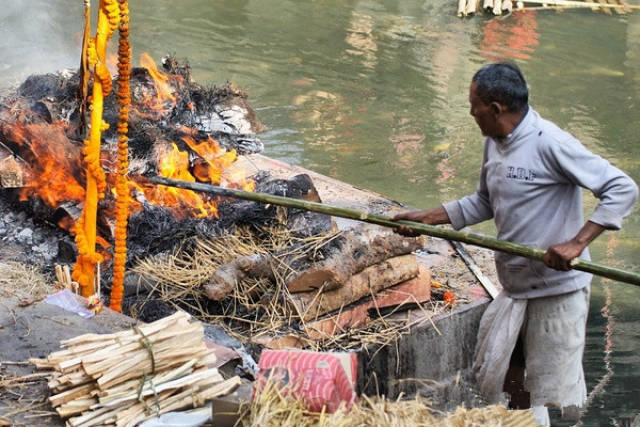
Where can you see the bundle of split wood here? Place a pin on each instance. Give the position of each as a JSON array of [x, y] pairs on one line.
[[127, 377]]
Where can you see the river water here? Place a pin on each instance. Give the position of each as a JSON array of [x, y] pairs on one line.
[[375, 93]]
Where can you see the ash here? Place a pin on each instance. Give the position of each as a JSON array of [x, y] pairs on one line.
[[32, 241]]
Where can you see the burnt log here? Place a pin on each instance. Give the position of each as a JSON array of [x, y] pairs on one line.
[[326, 268], [300, 223]]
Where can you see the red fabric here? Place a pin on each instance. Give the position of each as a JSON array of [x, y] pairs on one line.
[[319, 379]]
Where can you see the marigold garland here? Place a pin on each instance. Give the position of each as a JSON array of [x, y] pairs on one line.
[[84, 270], [122, 186]]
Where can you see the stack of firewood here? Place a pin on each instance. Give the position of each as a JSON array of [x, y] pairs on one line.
[[379, 271], [364, 263], [127, 377]]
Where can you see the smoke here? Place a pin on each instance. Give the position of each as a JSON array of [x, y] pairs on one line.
[[38, 36]]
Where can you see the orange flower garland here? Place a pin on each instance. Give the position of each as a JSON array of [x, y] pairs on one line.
[[122, 186], [85, 228]]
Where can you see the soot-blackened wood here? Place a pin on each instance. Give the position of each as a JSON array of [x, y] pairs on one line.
[[327, 268], [299, 222]]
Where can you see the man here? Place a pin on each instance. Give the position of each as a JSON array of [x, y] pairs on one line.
[[530, 184]]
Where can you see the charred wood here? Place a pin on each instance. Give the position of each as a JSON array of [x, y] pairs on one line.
[[326, 268]]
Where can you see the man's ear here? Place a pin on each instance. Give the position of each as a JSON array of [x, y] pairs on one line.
[[496, 108]]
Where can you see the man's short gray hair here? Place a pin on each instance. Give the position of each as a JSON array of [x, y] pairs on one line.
[[504, 83]]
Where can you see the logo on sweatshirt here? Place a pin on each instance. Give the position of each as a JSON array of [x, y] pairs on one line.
[[521, 174]]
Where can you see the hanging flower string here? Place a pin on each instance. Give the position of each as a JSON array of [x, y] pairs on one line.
[[122, 186], [85, 228]]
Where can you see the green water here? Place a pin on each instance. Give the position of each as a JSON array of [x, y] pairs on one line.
[[374, 93]]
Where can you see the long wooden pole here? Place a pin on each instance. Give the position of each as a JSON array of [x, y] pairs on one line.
[[430, 230], [574, 4]]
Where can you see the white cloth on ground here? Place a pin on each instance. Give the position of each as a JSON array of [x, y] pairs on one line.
[[541, 415], [553, 332]]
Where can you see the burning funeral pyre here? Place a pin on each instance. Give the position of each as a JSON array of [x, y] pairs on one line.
[[281, 277], [177, 128]]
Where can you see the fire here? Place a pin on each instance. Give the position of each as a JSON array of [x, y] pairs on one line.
[[213, 165], [165, 98], [54, 162], [207, 162], [56, 172]]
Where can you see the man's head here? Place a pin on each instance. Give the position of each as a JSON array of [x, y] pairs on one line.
[[498, 96]]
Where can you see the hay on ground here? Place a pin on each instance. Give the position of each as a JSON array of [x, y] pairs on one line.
[[258, 307], [23, 281], [273, 409]]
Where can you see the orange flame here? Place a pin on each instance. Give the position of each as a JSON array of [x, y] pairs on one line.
[[215, 163], [211, 166], [56, 170], [175, 164], [54, 162], [165, 98]]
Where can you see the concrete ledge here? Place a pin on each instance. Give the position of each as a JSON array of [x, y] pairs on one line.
[[427, 362]]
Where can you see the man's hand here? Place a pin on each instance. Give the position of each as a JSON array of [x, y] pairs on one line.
[[430, 216], [559, 256]]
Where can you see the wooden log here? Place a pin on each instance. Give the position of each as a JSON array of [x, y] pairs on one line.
[[416, 290], [157, 387], [125, 389], [368, 282], [74, 407], [191, 397], [472, 7], [179, 317], [64, 382], [143, 366], [175, 354], [86, 417], [225, 279], [363, 247], [349, 253]]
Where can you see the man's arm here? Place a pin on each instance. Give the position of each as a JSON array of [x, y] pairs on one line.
[[433, 216], [617, 193], [559, 256]]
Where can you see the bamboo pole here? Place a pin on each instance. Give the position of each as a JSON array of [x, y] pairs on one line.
[[430, 230], [574, 3]]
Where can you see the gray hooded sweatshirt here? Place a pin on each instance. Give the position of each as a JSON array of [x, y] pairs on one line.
[[530, 184]]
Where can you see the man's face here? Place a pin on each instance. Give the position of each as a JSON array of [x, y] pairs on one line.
[[485, 115]]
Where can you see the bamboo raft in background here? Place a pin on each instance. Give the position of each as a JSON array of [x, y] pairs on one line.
[[498, 7], [430, 230]]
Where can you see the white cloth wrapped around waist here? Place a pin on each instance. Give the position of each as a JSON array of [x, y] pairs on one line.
[[553, 334]]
